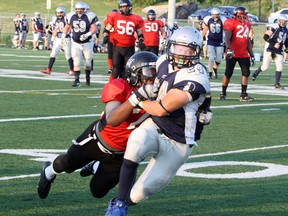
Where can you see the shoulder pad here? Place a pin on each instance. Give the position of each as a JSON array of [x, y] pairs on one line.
[[116, 90], [206, 19], [92, 17], [69, 15]]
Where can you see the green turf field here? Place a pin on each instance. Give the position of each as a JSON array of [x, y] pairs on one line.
[[239, 168]]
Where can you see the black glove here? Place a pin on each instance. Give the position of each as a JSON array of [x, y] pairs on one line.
[[252, 61], [229, 53], [286, 50], [141, 44], [95, 48], [106, 39], [273, 55]]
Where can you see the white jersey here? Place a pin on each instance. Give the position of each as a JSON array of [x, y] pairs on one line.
[[193, 80]]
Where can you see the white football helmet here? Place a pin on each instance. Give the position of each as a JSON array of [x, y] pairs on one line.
[[80, 8], [37, 14], [188, 37], [215, 11], [60, 11], [282, 20]]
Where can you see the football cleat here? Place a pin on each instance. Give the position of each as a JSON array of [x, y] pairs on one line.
[[87, 170], [116, 208], [246, 98], [109, 71], [278, 86], [255, 74], [215, 74], [222, 96], [46, 71], [76, 83], [44, 184], [88, 81]]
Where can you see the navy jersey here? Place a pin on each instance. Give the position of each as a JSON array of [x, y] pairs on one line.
[[81, 25], [16, 22], [215, 34], [59, 26], [24, 24], [38, 24], [180, 125], [280, 35]]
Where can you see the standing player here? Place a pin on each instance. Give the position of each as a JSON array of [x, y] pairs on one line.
[[214, 32], [58, 43], [125, 24], [169, 135], [83, 26], [276, 36], [239, 50], [100, 141], [152, 30], [109, 45], [16, 41], [24, 29], [37, 30]]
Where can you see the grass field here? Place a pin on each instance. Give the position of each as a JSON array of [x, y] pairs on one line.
[[239, 168]]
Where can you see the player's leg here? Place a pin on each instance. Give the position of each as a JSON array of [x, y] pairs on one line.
[[230, 65], [244, 64]]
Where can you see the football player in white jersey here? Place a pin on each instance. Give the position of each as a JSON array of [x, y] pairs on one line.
[[276, 38], [82, 25], [59, 22], [169, 135], [214, 32]]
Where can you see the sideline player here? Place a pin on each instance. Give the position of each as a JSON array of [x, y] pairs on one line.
[[59, 43], [152, 30], [239, 49], [276, 37], [214, 32], [82, 26], [125, 24]]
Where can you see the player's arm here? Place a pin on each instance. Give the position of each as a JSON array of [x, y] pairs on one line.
[[116, 112], [205, 29], [249, 48], [228, 36], [172, 101]]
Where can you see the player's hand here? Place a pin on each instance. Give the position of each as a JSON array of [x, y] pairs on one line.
[[252, 61], [229, 53], [205, 117], [106, 39], [83, 37], [145, 92], [95, 48], [141, 44]]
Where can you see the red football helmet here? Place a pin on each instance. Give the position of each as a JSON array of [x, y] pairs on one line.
[[240, 13]]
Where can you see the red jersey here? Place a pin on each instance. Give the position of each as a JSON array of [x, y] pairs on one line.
[[124, 28], [240, 36], [151, 31], [111, 30], [116, 137]]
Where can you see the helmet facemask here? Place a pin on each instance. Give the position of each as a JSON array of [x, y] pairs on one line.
[[183, 55]]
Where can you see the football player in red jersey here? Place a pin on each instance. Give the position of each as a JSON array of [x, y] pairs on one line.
[[101, 142], [125, 24], [239, 49], [110, 45], [151, 30]]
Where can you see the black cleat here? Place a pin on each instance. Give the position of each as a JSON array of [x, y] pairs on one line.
[[76, 83], [44, 184], [222, 96], [246, 98], [278, 86], [87, 170], [255, 74]]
